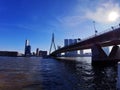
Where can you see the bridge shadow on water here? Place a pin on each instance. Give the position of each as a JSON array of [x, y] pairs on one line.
[[85, 76], [105, 77], [104, 63]]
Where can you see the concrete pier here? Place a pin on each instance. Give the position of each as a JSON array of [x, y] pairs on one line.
[[118, 78], [100, 57], [115, 52], [98, 53]]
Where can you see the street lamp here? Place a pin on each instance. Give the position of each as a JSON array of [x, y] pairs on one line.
[[94, 28]]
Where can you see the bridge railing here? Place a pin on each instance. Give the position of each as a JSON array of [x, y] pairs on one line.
[[103, 32], [109, 29], [100, 33]]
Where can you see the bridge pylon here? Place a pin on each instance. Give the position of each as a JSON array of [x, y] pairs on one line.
[[52, 44]]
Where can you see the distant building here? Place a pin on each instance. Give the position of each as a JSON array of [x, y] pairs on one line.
[[68, 42], [27, 48], [42, 53], [81, 52], [20, 54], [9, 53], [37, 52], [33, 54]]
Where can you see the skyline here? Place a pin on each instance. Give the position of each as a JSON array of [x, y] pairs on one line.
[[37, 20]]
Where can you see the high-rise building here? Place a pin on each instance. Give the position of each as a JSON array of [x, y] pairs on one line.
[[27, 48], [68, 42], [73, 53], [75, 41], [37, 52]]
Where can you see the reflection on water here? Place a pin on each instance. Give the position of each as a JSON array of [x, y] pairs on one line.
[[35, 73], [96, 78], [105, 77], [18, 73]]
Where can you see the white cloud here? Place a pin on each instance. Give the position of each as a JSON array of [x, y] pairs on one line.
[[98, 13], [70, 21], [102, 12]]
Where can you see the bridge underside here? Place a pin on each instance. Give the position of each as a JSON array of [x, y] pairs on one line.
[[85, 46], [98, 54]]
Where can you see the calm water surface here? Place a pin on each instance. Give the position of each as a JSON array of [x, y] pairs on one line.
[[35, 73]]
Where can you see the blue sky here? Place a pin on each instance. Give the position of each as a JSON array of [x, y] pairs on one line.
[[36, 20]]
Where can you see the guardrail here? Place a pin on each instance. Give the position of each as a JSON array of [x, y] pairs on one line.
[[100, 33], [103, 32]]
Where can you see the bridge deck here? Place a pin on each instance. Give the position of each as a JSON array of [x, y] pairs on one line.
[[109, 38]]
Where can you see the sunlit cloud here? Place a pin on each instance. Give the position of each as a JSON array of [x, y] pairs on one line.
[[99, 13], [102, 14]]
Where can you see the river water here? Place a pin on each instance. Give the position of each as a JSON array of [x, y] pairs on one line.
[[35, 73]]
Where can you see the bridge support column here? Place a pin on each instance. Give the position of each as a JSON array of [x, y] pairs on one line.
[[118, 77], [115, 53], [98, 54]]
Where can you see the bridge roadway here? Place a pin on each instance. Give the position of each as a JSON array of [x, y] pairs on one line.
[[107, 38]]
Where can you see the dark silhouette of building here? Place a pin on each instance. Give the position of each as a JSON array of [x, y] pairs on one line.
[[9, 53], [27, 48], [33, 54], [42, 53], [37, 52]]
